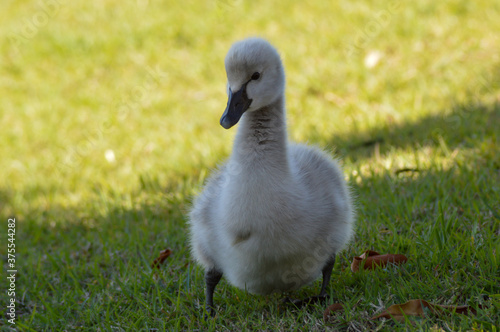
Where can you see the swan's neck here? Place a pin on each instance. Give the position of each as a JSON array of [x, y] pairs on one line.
[[261, 141]]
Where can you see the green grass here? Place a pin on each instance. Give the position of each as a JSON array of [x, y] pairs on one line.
[[143, 83]]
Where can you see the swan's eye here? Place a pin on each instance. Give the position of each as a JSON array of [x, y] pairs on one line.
[[255, 76]]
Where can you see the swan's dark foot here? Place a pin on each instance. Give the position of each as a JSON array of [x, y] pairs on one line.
[[323, 296], [212, 278]]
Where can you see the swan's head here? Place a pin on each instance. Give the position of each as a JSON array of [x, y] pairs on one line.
[[255, 78]]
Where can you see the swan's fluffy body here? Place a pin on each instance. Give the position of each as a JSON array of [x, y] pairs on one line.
[[272, 216]]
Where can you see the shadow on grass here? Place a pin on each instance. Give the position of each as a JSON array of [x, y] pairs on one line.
[[464, 127]]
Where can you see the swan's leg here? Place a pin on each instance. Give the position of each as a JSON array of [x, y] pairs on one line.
[[327, 273], [212, 278]]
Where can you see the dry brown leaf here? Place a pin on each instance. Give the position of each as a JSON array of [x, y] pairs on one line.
[[416, 308], [332, 308], [372, 259], [163, 256]]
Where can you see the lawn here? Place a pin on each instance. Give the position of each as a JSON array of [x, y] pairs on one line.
[[110, 125]]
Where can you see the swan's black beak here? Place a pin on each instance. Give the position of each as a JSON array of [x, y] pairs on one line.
[[237, 104]]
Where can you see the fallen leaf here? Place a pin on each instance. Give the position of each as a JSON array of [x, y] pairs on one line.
[[416, 308], [332, 308], [372, 259], [163, 256]]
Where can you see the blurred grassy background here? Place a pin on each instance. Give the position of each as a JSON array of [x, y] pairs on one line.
[[146, 81], [110, 116]]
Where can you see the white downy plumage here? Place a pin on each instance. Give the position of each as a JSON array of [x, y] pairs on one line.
[[273, 216]]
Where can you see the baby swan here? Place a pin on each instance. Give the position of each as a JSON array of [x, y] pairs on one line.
[[276, 213]]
